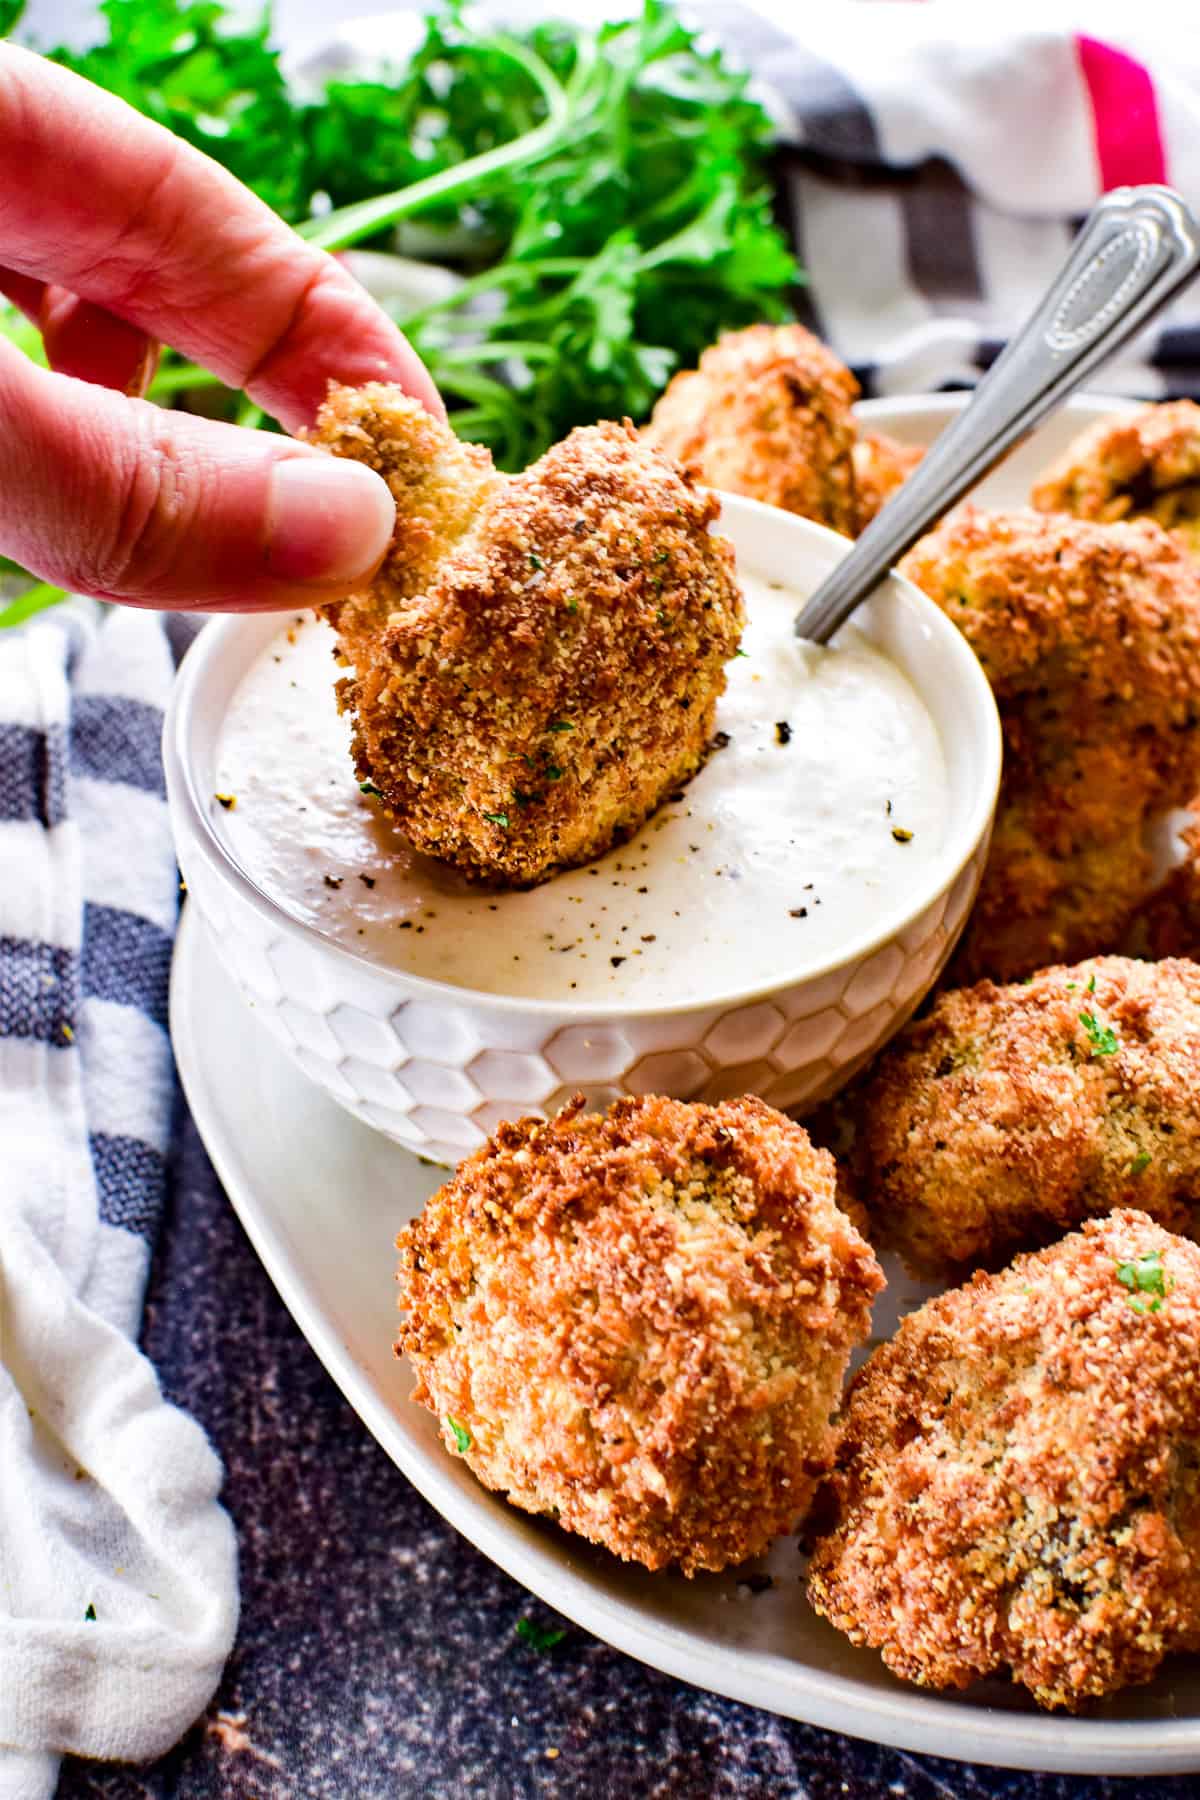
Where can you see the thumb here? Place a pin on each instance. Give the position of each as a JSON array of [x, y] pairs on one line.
[[118, 498]]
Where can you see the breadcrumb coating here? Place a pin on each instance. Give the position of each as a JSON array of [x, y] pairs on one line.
[[1008, 1114], [538, 661], [1018, 1484], [1090, 637], [639, 1322], [767, 414], [1139, 465], [881, 465]]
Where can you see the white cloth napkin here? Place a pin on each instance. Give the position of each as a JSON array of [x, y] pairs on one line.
[[942, 158], [118, 1582]]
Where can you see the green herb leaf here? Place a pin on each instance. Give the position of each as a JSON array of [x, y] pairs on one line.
[[90, 1613], [563, 725], [1144, 1276], [368, 787], [500, 819], [1104, 1040], [460, 1434], [1140, 1162], [608, 187], [540, 1637], [216, 82]]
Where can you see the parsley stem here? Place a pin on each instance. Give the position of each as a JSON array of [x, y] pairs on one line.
[[347, 224], [488, 281], [33, 600]]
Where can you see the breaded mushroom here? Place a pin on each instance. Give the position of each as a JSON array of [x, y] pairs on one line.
[[767, 414], [538, 661], [1008, 1114], [638, 1323], [1018, 1485], [881, 465], [1090, 636], [1136, 465]]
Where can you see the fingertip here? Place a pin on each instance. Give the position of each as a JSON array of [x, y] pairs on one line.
[[329, 521]]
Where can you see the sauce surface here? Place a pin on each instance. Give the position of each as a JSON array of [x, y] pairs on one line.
[[821, 808]]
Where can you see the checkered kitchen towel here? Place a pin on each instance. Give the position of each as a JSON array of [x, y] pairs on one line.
[[939, 158], [935, 159], [118, 1593]]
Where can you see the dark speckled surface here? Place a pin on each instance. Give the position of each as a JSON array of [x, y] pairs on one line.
[[377, 1655]]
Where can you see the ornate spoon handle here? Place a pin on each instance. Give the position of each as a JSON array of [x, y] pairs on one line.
[[1138, 247]]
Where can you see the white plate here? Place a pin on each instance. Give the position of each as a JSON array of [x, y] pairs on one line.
[[322, 1196]]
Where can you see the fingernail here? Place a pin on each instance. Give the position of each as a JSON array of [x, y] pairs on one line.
[[145, 370], [329, 520]]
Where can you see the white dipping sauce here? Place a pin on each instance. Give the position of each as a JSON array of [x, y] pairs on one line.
[[791, 841]]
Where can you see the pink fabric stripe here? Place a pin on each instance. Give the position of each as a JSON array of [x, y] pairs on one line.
[[1129, 146]]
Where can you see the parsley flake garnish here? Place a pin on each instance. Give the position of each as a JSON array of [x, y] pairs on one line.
[[540, 1637], [460, 1434], [562, 725], [1141, 1161], [536, 560], [1104, 1040], [368, 787], [500, 819], [1145, 1276], [90, 1614], [1091, 986]]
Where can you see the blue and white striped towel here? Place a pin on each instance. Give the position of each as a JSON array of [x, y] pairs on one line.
[[118, 1585]]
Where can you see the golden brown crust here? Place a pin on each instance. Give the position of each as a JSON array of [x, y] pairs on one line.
[[1017, 1485], [538, 662], [642, 1321], [1139, 465], [881, 465], [1090, 637], [1008, 1114], [767, 414]]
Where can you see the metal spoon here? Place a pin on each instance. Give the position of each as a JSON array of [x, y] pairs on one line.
[[1137, 248]]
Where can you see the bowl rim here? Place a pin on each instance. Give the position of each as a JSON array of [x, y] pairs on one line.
[[179, 725]]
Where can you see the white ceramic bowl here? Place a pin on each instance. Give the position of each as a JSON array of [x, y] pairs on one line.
[[437, 1067]]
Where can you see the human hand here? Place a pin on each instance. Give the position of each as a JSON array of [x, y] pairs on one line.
[[114, 234]]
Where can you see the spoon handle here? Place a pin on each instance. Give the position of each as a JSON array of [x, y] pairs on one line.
[[1136, 249]]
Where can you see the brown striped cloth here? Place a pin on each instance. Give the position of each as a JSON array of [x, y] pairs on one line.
[[935, 161]]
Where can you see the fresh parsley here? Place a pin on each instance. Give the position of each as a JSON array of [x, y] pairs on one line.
[[90, 1613], [1140, 1163], [1103, 1039], [500, 819], [368, 787], [604, 190], [460, 1434], [540, 1637], [1145, 1277]]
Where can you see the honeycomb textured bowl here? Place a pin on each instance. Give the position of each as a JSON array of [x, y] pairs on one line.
[[437, 1067]]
